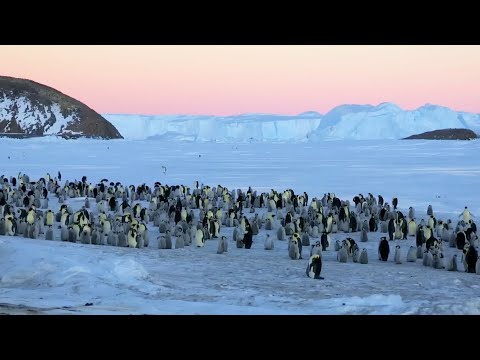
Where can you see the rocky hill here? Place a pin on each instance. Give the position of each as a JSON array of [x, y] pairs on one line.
[[445, 134], [30, 109]]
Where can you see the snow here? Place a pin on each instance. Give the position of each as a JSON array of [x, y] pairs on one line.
[[356, 122], [30, 116], [54, 277]]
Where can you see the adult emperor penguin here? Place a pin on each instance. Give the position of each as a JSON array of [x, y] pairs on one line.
[[395, 203], [269, 243], [199, 240], [314, 267], [49, 218], [391, 229], [132, 238], [363, 259], [412, 254], [467, 215], [412, 227], [383, 249], [471, 259]]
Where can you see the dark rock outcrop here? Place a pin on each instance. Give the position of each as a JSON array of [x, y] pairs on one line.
[[445, 134]]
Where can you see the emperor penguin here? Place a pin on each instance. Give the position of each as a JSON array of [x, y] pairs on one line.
[[316, 249], [412, 254], [221, 242], [429, 210], [255, 227], [356, 253], [427, 258], [49, 218], [140, 241], [281, 234], [110, 239], [338, 245], [342, 255], [419, 252], [477, 266], [325, 241], [132, 238], [161, 242], [2, 226], [397, 255], [383, 249], [437, 262], [49, 233], [412, 227], [180, 242], [85, 237], [411, 212], [314, 267], [391, 229], [122, 239], [293, 250], [64, 234], [269, 244], [186, 238], [72, 235], [364, 235], [168, 240], [466, 215], [305, 239], [199, 240], [363, 259], [471, 259], [452, 263]]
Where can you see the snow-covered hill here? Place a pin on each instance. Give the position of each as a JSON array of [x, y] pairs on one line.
[[358, 122], [31, 109]]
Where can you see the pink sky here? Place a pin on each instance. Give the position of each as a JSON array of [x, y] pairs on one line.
[[233, 79]]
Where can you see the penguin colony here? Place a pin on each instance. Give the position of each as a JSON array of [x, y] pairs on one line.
[[114, 214]]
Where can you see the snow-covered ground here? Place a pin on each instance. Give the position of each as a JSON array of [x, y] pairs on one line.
[[54, 277]]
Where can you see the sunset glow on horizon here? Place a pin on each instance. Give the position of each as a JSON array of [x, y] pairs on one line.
[[234, 79]]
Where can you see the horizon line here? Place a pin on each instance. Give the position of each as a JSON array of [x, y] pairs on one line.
[[285, 114]]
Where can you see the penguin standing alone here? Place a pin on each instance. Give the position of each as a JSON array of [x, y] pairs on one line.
[[314, 267]]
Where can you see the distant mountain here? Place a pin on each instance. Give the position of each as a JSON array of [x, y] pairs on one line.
[[355, 122], [445, 134], [30, 109]]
